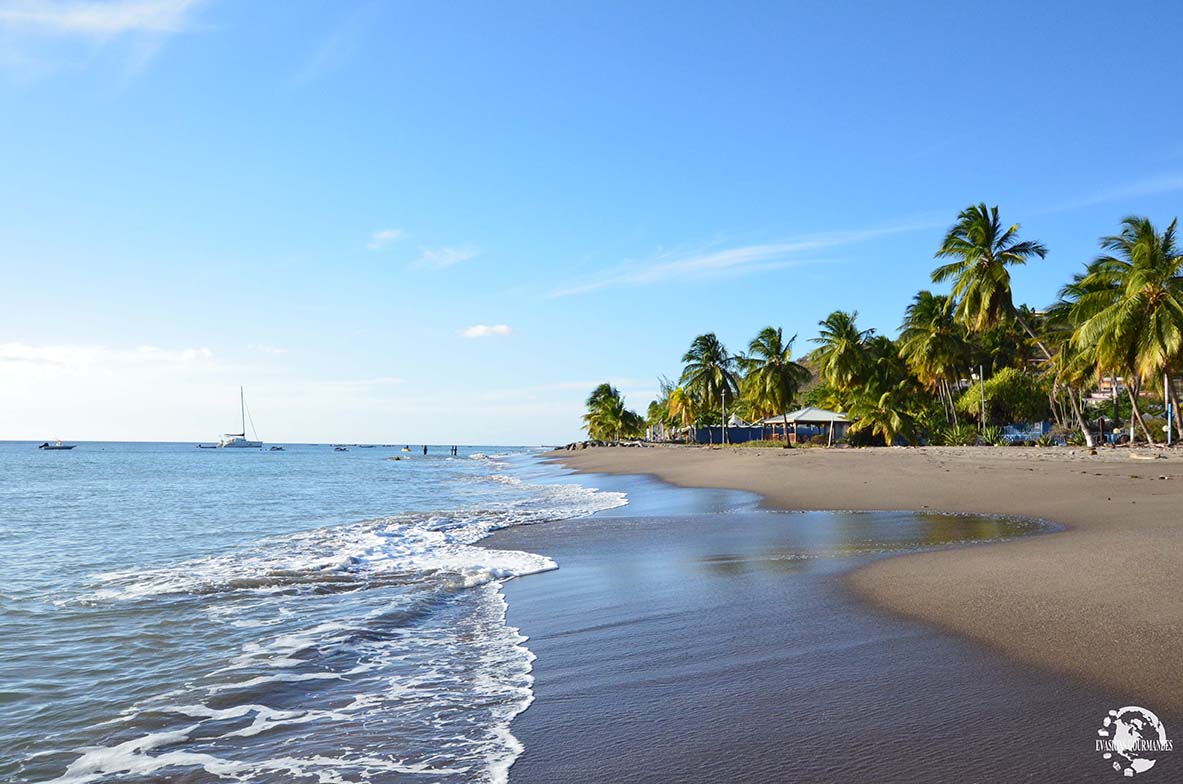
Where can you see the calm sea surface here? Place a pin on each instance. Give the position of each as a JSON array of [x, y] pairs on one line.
[[170, 613]]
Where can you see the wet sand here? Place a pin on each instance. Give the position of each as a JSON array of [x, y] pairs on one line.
[[684, 639], [1102, 601]]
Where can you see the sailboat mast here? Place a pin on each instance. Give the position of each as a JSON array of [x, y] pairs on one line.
[[242, 409]]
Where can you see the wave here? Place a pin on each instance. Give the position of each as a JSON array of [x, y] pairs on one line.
[[367, 652]]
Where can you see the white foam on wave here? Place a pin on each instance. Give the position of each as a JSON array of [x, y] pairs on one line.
[[459, 681]]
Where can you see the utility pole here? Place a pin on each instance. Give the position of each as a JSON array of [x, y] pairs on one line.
[[982, 374], [724, 414], [1166, 403]]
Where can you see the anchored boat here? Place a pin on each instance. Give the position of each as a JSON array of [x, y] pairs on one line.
[[239, 440]]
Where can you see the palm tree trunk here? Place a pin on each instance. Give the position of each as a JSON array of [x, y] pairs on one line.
[[1084, 428], [1175, 409], [952, 401], [1088, 436], [1137, 413], [1175, 403]]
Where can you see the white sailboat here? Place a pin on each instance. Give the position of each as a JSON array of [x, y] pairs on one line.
[[239, 440]]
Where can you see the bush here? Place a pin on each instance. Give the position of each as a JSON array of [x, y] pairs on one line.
[[1011, 396], [1047, 439], [954, 435], [1155, 425], [864, 438], [993, 436]]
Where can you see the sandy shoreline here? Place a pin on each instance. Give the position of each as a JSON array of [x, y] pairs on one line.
[[1101, 601]]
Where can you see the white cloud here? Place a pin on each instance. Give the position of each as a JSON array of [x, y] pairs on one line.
[[486, 330], [441, 258], [743, 260], [383, 237], [97, 19]]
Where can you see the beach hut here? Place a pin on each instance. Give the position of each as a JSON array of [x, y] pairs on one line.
[[804, 423]]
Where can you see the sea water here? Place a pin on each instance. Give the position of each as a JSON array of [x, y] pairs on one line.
[[170, 613]]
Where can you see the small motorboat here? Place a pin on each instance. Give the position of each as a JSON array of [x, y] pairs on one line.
[[56, 446], [207, 446], [340, 449], [276, 449]]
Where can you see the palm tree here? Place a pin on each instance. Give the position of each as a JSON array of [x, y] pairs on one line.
[[681, 406], [887, 413], [1136, 293], [841, 353], [709, 371], [934, 346], [607, 418], [772, 379], [982, 253]]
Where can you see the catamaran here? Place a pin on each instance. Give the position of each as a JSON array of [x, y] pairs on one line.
[[239, 440]]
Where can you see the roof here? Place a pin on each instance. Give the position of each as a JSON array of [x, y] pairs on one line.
[[810, 415]]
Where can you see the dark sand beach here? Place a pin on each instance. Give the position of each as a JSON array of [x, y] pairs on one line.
[[1101, 601], [693, 637]]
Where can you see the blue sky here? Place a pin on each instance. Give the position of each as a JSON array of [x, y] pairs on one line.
[[446, 222]]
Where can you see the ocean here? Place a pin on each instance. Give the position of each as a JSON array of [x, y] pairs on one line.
[[177, 614]]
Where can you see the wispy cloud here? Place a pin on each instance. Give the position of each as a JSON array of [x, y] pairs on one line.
[[1170, 182], [39, 36], [337, 47], [264, 348], [441, 258], [366, 383], [486, 330], [97, 19], [737, 261], [83, 356], [383, 237]]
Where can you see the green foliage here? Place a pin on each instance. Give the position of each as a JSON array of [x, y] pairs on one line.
[[981, 252], [1011, 396], [841, 355], [709, 373], [822, 396], [607, 419], [954, 435], [1155, 425], [772, 379], [1131, 311], [1047, 439], [993, 436]]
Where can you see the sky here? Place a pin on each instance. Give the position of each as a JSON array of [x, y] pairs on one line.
[[447, 222]]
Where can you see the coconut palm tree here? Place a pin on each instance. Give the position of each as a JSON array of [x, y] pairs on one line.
[[1140, 324], [709, 372], [982, 253], [841, 354], [934, 346], [607, 418], [772, 379], [886, 413], [681, 406]]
